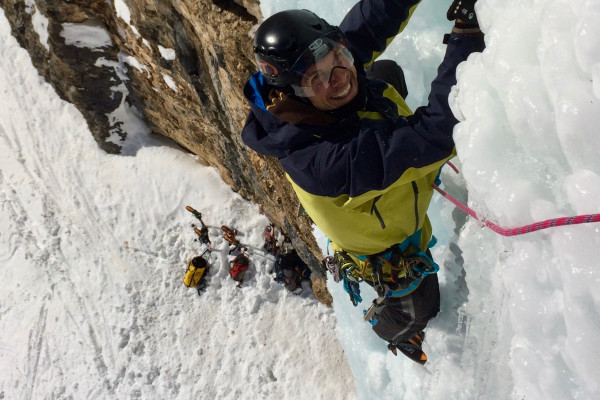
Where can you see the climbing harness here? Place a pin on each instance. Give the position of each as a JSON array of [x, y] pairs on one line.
[[417, 267], [403, 273]]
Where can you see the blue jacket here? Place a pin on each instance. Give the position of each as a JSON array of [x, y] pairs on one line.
[[366, 180]]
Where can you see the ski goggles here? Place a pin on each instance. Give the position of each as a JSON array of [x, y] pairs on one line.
[[314, 68]]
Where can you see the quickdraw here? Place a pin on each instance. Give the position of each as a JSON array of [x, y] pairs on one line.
[[348, 267], [334, 269]]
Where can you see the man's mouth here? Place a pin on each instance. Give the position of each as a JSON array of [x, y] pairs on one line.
[[343, 93]]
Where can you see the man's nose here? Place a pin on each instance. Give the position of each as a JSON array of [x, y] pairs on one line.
[[337, 75]]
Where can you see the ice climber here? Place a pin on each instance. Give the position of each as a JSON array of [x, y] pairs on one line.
[[361, 162]]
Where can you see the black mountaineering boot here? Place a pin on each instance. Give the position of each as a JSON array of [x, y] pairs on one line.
[[411, 348]]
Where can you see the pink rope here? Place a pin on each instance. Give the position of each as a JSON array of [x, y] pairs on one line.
[[549, 223]]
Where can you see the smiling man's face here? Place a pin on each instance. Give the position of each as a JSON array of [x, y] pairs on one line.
[[332, 81]]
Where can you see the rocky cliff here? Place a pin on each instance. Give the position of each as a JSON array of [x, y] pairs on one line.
[[178, 65]]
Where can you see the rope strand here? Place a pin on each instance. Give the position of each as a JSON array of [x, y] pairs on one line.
[[549, 223]]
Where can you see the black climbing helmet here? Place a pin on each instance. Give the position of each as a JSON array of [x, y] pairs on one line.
[[288, 42]]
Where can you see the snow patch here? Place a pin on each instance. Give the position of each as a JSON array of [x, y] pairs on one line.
[[123, 11], [170, 82], [39, 21], [166, 53], [89, 34], [108, 239], [128, 59]]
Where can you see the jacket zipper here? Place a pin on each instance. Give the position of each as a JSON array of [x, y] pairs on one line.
[[416, 191], [376, 211]]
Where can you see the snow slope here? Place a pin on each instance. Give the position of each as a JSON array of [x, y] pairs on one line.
[[93, 249]]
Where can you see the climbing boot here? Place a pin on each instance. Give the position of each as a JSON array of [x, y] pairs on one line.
[[411, 348]]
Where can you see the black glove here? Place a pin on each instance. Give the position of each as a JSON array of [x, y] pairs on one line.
[[463, 10]]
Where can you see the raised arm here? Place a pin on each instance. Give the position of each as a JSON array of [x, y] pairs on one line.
[[386, 156], [371, 25]]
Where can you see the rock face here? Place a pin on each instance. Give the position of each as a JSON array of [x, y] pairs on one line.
[[181, 66]]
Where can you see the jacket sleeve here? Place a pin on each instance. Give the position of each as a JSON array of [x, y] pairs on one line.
[[371, 25], [385, 156]]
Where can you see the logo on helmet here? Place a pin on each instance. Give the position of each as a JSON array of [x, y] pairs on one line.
[[267, 69], [318, 48]]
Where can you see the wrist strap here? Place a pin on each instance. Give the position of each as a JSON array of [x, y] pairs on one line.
[[467, 31]]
